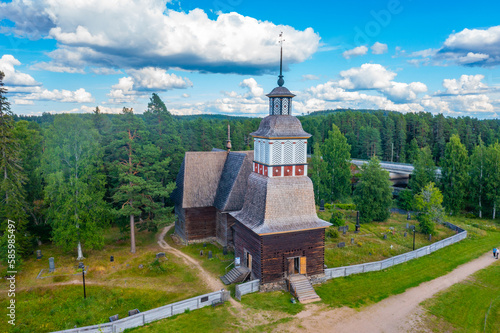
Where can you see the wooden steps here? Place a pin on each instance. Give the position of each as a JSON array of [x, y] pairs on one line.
[[302, 289], [235, 275]]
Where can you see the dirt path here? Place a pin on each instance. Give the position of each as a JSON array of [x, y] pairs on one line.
[[212, 283], [398, 313]]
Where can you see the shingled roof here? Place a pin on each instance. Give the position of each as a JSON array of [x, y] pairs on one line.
[[233, 183], [214, 178], [280, 126], [279, 204], [198, 179]]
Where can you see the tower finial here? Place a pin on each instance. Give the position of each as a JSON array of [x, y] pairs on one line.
[[281, 82], [228, 144]]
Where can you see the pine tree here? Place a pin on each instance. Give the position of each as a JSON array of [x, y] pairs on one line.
[[140, 170], [336, 154], [454, 175], [373, 195], [72, 167]]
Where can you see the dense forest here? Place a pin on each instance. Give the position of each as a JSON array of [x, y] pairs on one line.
[[66, 178]]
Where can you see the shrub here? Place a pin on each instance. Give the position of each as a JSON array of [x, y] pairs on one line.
[[346, 206], [331, 232], [338, 218]]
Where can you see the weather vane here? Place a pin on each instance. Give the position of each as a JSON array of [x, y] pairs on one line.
[[281, 82]]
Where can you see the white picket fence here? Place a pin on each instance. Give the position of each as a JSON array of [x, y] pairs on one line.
[[331, 273], [336, 272], [149, 316]]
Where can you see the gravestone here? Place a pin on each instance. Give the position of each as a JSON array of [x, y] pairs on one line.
[[322, 205], [141, 266], [111, 259], [209, 254], [340, 245], [385, 236], [201, 253], [408, 216], [160, 255], [113, 318], [430, 237], [341, 228], [224, 250], [204, 244], [39, 254], [81, 265], [133, 312], [352, 240], [407, 226], [52, 266], [406, 234], [358, 226], [344, 231]]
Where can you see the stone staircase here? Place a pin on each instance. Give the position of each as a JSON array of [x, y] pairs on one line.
[[235, 275], [302, 289]]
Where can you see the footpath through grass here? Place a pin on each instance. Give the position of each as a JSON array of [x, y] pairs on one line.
[[470, 306], [358, 290]]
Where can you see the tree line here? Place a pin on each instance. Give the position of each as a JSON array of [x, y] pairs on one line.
[[66, 178]]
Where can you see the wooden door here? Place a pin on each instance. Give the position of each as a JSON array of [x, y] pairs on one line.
[[249, 260], [291, 266], [303, 265]]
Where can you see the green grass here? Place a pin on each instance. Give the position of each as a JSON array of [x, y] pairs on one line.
[[217, 265], [370, 246], [358, 290], [207, 319], [63, 307], [55, 302], [272, 301], [465, 305]]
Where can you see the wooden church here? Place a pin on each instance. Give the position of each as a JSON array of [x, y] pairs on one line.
[[259, 202]]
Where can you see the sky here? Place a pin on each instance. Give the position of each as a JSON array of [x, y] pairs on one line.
[[222, 56]]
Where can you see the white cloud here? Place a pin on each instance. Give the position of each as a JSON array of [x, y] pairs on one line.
[[467, 84], [12, 76], [146, 32], [355, 52], [379, 48], [150, 78], [368, 76], [129, 88], [57, 68], [403, 92], [254, 90], [469, 47], [65, 96]]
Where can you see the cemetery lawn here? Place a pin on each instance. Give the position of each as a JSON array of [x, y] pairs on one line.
[[55, 302], [217, 265], [362, 289], [369, 244], [467, 306]]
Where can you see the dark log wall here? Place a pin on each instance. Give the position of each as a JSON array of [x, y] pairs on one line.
[[277, 248], [245, 239], [200, 222]]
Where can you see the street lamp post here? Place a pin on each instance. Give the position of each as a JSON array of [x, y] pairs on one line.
[[414, 238], [82, 266]]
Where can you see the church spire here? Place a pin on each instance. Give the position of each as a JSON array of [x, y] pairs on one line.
[[228, 143], [281, 82]]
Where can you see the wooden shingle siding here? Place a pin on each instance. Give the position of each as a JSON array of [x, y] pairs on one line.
[[278, 247], [200, 223], [245, 239]]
